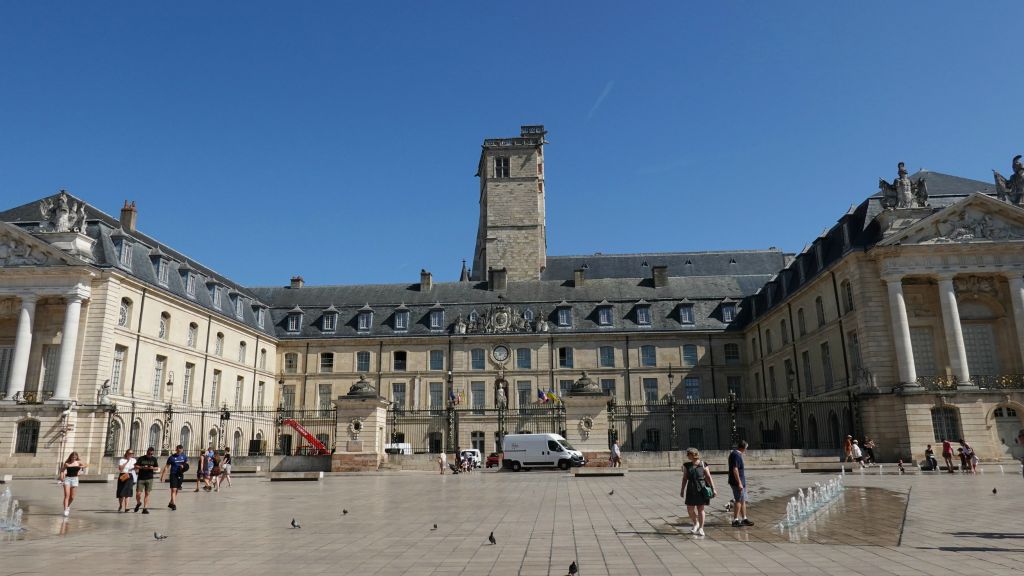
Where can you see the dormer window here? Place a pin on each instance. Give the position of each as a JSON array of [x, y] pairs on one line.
[[528, 315], [604, 314], [261, 316], [643, 313], [686, 314], [401, 319], [728, 312], [295, 319], [239, 303], [330, 320], [564, 316], [216, 294], [124, 251], [190, 284], [437, 317], [163, 269], [364, 320]]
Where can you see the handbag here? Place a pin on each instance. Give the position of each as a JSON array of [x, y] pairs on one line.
[[702, 487], [124, 477]]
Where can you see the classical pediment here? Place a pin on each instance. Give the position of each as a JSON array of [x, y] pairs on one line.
[[19, 248], [977, 218]]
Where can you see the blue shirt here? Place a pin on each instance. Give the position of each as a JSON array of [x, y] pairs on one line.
[[209, 460], [736, 463], [175, 461]]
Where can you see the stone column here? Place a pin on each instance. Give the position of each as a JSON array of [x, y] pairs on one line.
[[954, 333], [22, 345], [1017, 297], [586, 420], [901, 333], [69, 344]]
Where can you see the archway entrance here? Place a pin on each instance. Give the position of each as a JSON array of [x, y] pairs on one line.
[[1008, 425]]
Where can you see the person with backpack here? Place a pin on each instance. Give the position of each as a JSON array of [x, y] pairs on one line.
[[738, 482], [177, 465], [697, 489]]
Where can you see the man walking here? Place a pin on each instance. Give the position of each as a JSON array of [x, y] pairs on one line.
[[738, 482], [947, 454], [177, 465], [146, 466], [616, 460]]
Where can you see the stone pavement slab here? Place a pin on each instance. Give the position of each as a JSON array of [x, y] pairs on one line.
[[542, 521]]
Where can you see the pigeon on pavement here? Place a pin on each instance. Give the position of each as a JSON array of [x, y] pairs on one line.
[[159, 536], [344, 511], [435, 527], [295, 524], [994, 491], [612, 492], [491, 539], [573, 569]]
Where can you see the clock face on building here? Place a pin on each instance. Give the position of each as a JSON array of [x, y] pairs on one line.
[[500, 354]]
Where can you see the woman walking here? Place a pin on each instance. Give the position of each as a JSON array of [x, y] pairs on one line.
[[125, 480], [697, 489], [69, 479], [225, 469]]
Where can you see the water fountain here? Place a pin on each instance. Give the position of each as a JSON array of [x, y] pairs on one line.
[[805, 504], [10, 513]]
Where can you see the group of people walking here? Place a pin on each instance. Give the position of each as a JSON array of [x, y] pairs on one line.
[[698, 488], [136, 475], [854, 451]]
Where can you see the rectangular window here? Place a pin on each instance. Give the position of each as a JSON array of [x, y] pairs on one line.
[[400, 360], [648, 356], [216, 296], [686, 314], [643, 315], [689, 355], [826, 365], [650, 390], [186, 383], [437, 359], [190, 285], [436, 319], [565, 316], [401, 320], [476, 358], [261, 314], [324, 398], [691, 384], [398, 395], [326, 363], [565, 357], [51, 358], [523, 358], [288, 397], [608, 386], [116, 369], [214, 386], [604, 316], [260, 390], [163, 272], [922, 345], [502, 166], [362, 362], [606, 356], [436, 397], [476, 390], [293, 322], [805, 358], [330, 322], [524, 393], [732, 354], [158, 376], [945, 424], [365, 320], [735, 384], [564, 387], [728, 312], [239, 392], [291, 363], [854, 344]]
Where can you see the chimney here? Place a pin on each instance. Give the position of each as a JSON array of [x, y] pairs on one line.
[[578, 276], [426, 281], [297, 282], [128, 216], [659, 274], [497, 279]]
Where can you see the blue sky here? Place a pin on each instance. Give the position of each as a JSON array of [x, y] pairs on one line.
[[339, 140]]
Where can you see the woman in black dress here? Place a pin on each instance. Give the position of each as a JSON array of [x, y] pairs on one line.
[[125, 480], [696, 476]]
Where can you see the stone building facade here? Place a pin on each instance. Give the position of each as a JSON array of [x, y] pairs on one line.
[[910, 309]]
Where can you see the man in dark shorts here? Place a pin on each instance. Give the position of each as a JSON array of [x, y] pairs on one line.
[[177, 463], [738, 482], [146, 466]]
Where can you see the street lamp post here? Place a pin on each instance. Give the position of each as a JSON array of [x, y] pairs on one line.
[[225, 417], [673, 443], [166, 442]]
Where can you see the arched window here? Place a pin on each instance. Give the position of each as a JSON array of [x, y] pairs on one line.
[[801, 322], [218, 347], [135, 437], [165, 326], [241, 352], [154, 436], [213, 435], [847, 289], [263, 359], [784, 328], [28, 437], [124, 317], [945, 423], [193, 335], [236, 444], [186, 437], [113, 439], [819, 308]]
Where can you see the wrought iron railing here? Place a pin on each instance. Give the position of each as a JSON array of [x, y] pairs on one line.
[[998, 381], [937, 382]]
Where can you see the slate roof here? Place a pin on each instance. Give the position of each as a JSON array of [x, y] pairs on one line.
[[678, 263], [146, 250]]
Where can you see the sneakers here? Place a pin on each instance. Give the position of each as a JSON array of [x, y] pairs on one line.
[[700, 531], [694, 529], [747, 522], [137, 506], [67, 512], [736, 524], [172, 506], [145, 511]]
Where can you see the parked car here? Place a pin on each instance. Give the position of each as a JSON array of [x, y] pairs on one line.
[[474, 457], [493, 460]]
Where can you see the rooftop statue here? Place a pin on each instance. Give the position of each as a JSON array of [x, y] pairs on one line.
[[60, 215], [903, 192], [1011, 190]]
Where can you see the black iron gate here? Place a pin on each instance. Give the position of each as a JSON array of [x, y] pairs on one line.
[[483, 428]]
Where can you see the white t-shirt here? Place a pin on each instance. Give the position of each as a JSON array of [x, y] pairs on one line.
[[856, 451], [127, 465]]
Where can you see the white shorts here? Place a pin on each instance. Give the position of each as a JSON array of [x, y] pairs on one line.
[[71, 481]]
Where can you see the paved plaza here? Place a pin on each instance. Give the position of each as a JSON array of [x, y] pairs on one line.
[[542, 521]]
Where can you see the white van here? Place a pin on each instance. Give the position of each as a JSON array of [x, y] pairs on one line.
[[524, 451]]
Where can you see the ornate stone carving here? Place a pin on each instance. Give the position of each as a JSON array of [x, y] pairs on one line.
[[903, 192], [15, 252], [61, 215], [362, 388], [585, 386], [1011, 190], [497, 320], [976, 285], [969, 228]]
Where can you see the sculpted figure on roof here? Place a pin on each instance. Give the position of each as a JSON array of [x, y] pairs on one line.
[[1011, 190], [903, 192]]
